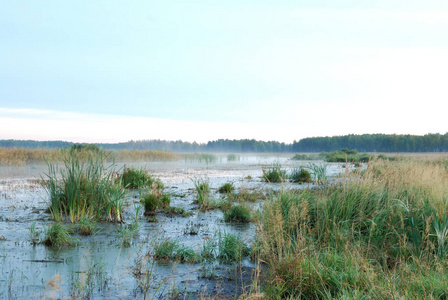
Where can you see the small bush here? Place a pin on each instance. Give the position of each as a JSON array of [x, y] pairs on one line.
[[226, 188], [300, 175], [238, 214]]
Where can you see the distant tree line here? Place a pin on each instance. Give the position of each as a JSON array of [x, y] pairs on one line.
[[361, 143], [375, 143]]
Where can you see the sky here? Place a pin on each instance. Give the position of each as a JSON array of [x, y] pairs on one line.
[[114, 71]]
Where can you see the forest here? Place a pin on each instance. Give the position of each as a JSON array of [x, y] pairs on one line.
[[361, 143]]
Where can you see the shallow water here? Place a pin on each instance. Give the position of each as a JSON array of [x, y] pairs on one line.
[[38, 271]]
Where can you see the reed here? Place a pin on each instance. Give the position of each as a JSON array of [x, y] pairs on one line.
[[84, 187]]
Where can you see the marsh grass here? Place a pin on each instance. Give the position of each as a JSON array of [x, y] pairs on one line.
[[346, 155], [376, 234], [274, 173], [34, 234], [206, 158], [204, 199], [319, 173], [233, 157], [226, 188], [231, 248], [144, 155], [85, 282], [300, 175], [171, 250], [139, 178], [86, 226], [84, 188], [22, 156], [238, 214], [172, 211], [155, 199], [245, 195], [57, 235]]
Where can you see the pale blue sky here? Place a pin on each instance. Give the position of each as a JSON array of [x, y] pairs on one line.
[[99, 71]]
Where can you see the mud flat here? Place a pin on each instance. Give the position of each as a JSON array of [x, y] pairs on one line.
[[101, 265]]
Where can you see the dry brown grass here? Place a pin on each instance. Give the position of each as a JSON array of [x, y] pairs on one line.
[[371, 236], [21, 156]]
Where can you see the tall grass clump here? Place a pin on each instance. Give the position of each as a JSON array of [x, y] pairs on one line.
[[226, 188], [318, 172], [231, 248], [84, 187], [238, 214], [58, 235], [274, 173], [377, 234], [172, 250], [202, 188], [300, 175], [134, 178]]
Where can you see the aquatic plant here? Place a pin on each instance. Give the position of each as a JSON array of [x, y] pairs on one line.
[[202, 187], [58, 235], [83, 188], [85, 226], [300, 175], [238, 214], [176, 211], [134, 178], [274, 173], [201, 158], [319, 173], [231, 248], [226, 188], [150, 202], [172, 250], [34, 234], [245, 195]]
